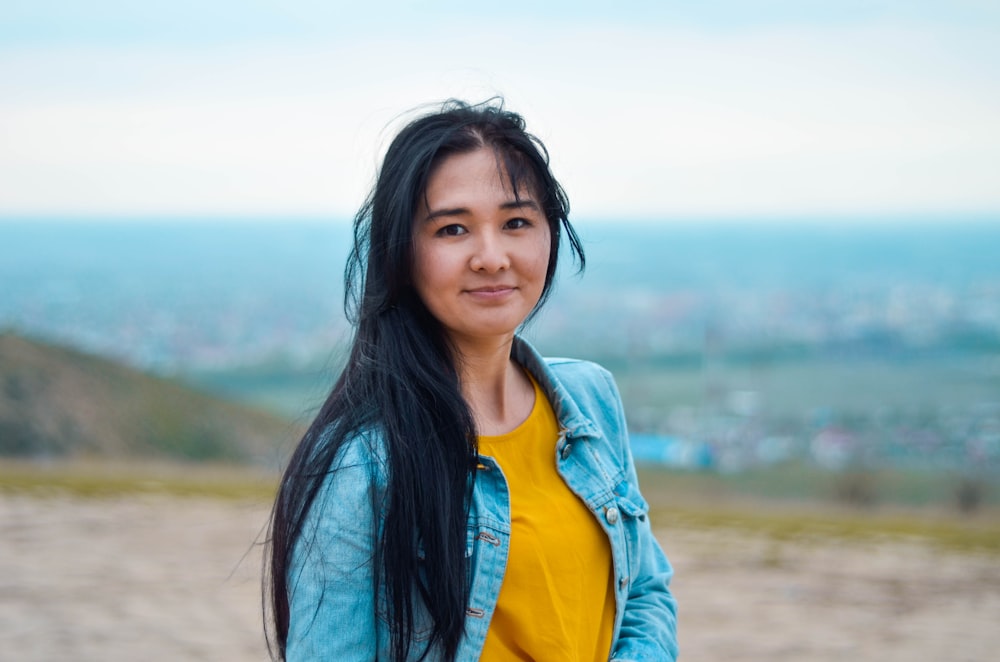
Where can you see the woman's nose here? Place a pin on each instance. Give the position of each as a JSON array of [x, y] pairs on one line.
[[491, 254]]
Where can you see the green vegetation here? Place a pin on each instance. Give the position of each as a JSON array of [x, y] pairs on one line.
[[980, 535], [117, 479], [800, 504], [794, 483], [59, 403]]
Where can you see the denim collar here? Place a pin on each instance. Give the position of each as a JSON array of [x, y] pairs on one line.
[[571, 420]]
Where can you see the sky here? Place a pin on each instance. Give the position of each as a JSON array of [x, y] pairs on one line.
[[650, 110]]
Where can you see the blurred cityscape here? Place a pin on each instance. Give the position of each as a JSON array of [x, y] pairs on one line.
[[735, 346]]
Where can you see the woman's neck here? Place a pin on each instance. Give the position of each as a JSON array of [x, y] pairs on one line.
[[497, 390]]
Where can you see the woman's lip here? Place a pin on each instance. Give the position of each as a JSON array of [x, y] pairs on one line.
[[492, 288], [493, 291]]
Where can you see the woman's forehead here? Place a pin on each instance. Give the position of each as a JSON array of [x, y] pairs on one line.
[[510, 168]]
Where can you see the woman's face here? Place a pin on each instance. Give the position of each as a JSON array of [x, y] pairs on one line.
[[480, 252]]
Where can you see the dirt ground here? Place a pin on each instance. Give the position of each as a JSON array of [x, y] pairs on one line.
[[158, 578]]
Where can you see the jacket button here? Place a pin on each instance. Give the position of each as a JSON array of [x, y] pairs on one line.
[[623, 582], [611, 514], [567, 447]]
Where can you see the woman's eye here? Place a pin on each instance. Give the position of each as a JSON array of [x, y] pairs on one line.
[[518, 223], [452, 230]]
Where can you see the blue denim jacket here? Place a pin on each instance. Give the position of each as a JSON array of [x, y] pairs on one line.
[[334, 613]]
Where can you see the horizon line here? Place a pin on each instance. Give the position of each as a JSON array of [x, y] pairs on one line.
[[852, 218]]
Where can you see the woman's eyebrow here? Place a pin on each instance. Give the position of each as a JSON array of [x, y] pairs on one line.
[[454, 211], [525, 203]]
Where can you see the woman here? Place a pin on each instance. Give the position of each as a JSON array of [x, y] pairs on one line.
[[458, 497]]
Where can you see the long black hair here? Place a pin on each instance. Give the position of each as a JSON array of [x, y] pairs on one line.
[[401, 382]]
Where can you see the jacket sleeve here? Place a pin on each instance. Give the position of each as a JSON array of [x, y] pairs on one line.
[[332, 604], [649, 625]]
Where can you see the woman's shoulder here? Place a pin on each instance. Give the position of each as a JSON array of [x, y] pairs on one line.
[[578, 369], [569, 371], [580, 376], [347, 482], [579, 379], [362, 448]]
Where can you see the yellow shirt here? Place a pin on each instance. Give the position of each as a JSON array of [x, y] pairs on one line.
[[557, 600]]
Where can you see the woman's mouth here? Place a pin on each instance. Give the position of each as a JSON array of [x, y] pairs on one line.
[[491, 291]]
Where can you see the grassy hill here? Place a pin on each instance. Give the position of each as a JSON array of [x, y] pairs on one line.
[[57, 402]]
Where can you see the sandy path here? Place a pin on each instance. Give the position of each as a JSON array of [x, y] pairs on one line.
[[177, 579], [744, 598], [136, 579]]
